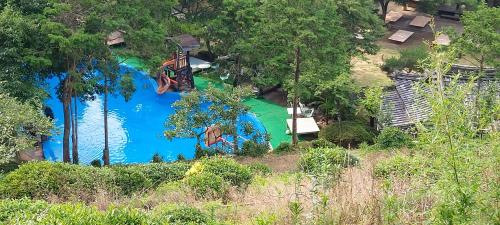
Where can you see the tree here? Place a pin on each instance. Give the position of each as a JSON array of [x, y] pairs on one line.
[[231, 31], [197, 111], [228, 105], [20, 125], [191, 119], [23, 53], [300, 37], [480, 38]]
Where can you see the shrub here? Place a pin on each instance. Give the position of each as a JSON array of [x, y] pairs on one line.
[[402, 166], [157, 158], [346, 133], [96, 163], [130, 179], [283, 148], [392, 137], [409, 59], [67, 181], [236, 174], [43, 179], [253, 149], [326, 160], [207, 185], [27, 211], [322, 143], [184, 215], [260, 168], [392, 64]]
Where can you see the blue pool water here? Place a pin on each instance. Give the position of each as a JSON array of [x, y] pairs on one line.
[[135, 127]]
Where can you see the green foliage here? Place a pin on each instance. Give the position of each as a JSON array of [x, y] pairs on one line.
[[20, 123], [231, 171], [208, 185], [212, 177], [130, 179], [393, 137], [96, 163], [260, 169], [480, 38], [253, 149], [45, 179], [322, 143], [157, 158], [283, 147], [225, 107], [404, 166], [318, 161], [410, 59], [26, 212], [183, 215], [346, 133]]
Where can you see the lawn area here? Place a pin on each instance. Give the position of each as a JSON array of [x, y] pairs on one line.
[[366, 70]]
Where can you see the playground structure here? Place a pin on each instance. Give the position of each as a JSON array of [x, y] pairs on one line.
[[176, 73]]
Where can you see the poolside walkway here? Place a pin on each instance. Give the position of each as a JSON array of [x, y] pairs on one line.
[[271, 115]]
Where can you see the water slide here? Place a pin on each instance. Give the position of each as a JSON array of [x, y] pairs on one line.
[[164, 83]]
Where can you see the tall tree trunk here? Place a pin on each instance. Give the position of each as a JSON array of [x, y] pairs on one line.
[[75, 132], [66, 100], [295, 96], [235, 137], [384, 5], [105, 153], [238, 71]]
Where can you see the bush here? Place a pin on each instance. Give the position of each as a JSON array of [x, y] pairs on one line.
[[392, 137], [253, 149], [157, 158], [27, 211], [130, 179], [207, 185], [260, 168], [44, 179], [326, 160], [283, 148], [409, 59], [159, 173], [67, 181], [322, 143], [96, 163], [391, 64], [346, 133], [236, 174], [404, 166], [184, 215]]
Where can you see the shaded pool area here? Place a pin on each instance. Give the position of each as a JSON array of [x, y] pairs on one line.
[[135, 127]]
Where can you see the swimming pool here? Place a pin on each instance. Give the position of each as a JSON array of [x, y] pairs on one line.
[[135, 127]]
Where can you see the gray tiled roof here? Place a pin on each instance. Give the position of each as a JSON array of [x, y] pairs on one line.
[[405, 106]]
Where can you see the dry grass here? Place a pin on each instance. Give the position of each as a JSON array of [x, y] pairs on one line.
[[354, 199], [366, 70]]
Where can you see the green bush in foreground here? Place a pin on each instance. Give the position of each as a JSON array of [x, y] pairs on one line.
[[212, 177], [66, 181], [392, 137], [26, 211], [207, 185], [326, 160]]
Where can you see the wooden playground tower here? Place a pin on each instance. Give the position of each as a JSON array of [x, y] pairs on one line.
[[176, 73]]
